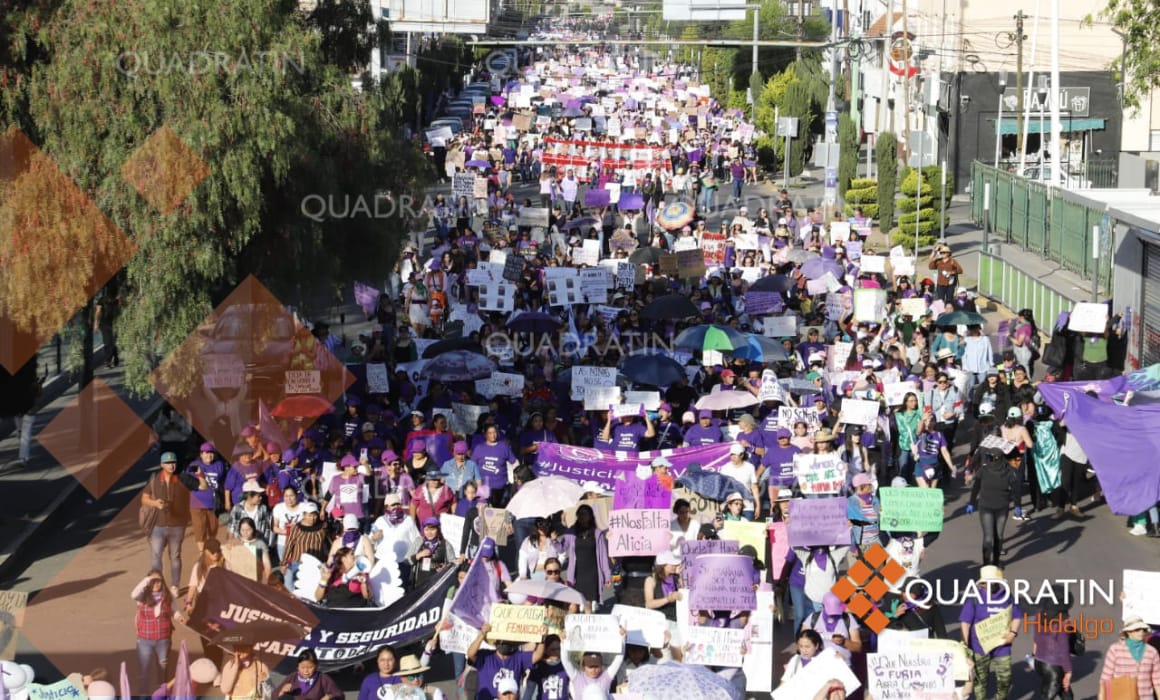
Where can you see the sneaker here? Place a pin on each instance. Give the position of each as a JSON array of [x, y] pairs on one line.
[[1138, 530], [1019, 515], [1074, 510]]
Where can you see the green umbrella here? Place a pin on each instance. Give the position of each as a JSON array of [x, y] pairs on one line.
[[711, 337], [960, 318]]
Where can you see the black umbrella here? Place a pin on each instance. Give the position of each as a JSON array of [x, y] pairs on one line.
[[647, 256], [654, 370], [534, 322], [670, 306], [773, 283], [448, 345], [258, 631]]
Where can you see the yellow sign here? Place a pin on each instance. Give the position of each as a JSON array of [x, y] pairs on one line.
[[744, 533], [516, 623], [991, 632]]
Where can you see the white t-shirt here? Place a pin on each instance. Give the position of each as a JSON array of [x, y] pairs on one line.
[[285, 518], [746, 474], [910, 560]]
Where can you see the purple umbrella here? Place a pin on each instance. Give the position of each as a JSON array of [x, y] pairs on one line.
[[818, 267]]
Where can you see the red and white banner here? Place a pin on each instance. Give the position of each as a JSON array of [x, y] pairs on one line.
[[579, 154]]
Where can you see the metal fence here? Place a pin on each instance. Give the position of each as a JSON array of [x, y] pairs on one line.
[[1015, 289], [1039, 218]]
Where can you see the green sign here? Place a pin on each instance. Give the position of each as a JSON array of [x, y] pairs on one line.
[[911, 509]]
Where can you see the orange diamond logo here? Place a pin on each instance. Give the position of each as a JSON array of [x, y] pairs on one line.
[[866, 582], [97, 437], [164, 170], [57, 248], [251, 363]]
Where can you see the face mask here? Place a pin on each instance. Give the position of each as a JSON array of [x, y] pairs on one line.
[[506, 648], [396, 516], [866, 497], [553, 662]]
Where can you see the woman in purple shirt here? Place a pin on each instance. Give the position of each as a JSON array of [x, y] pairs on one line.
[[533, 435], [705, 432], [628, 434], [493, 458], [1052, 647]]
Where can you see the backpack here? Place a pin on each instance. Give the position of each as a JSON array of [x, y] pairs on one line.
[[273, 493]]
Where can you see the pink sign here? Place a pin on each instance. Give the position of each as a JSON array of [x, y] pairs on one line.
[[779, 548], [638, 532]]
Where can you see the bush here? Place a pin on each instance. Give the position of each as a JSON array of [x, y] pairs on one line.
[[910, 183], [869, 209], [905, 238], [928, 216], [887, 152], [907, 204], [861, 183], [862, 195], [848, 154]]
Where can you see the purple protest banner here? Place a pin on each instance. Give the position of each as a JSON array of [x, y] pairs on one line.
[[691, 549], [818, 521], [610, 469], [473, 600], [641, 493], [630, 201], [758, 303], [637, 532], [597, 198], [723, 582]]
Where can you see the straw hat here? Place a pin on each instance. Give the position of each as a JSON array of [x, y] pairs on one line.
[[409, 666], [823, 435]]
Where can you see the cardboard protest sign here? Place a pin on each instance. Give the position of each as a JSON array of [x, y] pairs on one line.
[[304, 381], [12, 606], [722, 582], [1087, 317], [690, 264], [644, 627], [588, 376], [600, 506], [668, 265], [714, 646], [859, 412], [991, 632], [909, 675], [914, 307], [818, 521], [911, 509], [869, 305], [516, 623], [746, 533], [890, 641], [638, 532], [1140, 595], [598, 633], [495, 525], [820, 475]]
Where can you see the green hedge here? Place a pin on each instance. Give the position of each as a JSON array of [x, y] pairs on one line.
[[906, 204], [869, 209], [910, 183], [861, 183], [862, 195], [928, 216], [927, 236]]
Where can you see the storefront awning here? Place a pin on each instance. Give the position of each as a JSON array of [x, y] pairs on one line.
[[1010, 124]]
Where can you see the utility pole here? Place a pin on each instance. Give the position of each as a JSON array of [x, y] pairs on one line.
[[904, 142], [1018, 80], [831, 191]]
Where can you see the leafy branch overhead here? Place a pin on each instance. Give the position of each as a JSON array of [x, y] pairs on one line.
[[1138, 23]]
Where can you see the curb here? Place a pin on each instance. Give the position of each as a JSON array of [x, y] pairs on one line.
[[38, 523]]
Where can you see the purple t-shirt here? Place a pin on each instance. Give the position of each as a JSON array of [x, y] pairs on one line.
[[698, 435], [754, 437], [974, 612], [779, 461], [491, 669], [375, 687], [551, 682], [348, 493], [628, 437], [214, 473], [492, 461]]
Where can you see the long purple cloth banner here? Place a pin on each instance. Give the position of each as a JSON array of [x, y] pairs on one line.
[[609, 469], [1119, 441]]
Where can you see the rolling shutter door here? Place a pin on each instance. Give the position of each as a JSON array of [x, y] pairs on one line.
[[1150, 316]]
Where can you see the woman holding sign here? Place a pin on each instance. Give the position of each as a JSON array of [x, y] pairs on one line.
[[928, 446]]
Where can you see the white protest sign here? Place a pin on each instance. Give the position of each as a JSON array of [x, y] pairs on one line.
[[451, 526], [599, 398], [914, 307], [771, 389], [223, 371], [873, 263], [909, 675], [61, 690], [594, 284], [563, 286], [377, 379], [644, 627], [902, 266], [304, 381], [818, 474], [584, 376], [758, 663], [1087, 317], [811, 678], [588, 253], [598, 633], [534, 216], [816, 287], [859, 412], [651, 400], [621, 410], [714, 646], [465, 417], [779, 326], [1140, 597], [463, 185], [835, 307], [831, 282], [895, 393], [497, 295], [747, 241], [477, 277], [839, 231], [838, 355], [789, 416], [869, 305], [626, 275], [458, 639]]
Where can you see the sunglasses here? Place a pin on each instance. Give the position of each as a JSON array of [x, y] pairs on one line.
[[552, 572]]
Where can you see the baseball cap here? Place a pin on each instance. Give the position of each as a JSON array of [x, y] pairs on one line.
[[862, 480], [206, 447], [309, 507], [350, 521], [168, 458], [252, 487], [665, 407], [249, 432], [688, 417], [289, 455], [728, 374], [661, 462], [507, 685], [783, 433], [348, 461], [392, 499], [705, 413], [419, 446], [1013, 412], [487, 548], [736, 449], [667, 558], [735, 496], [460, 448], [368, 427], [431, 522]]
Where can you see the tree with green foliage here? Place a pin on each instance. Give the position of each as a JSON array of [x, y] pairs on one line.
[[848, 153], [274, 135], [921, 210], [1138, 22], [349, 32], [886, 151], [862, 193], [795, 92]]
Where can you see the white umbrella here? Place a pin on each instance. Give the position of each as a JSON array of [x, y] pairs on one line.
[[546, 590], [718, 400], [688, 682], [542, 497]]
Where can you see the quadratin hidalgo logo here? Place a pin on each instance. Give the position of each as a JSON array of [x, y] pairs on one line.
[[864, 585]]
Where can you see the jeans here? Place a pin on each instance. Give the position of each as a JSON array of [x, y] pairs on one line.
[[993, 523], [707, 198], [984, 665], [946, 294], [803, 607], [171, 537], [290, 575], [906, 464], [737, 184], [147, 651]]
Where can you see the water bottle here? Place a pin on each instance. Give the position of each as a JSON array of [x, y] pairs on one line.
[[1030, 661]]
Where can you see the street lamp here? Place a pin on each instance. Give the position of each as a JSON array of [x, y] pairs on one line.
[[1043, 91], [999, 121]]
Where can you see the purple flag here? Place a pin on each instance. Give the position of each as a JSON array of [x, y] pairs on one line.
[[631, 201], [597, 198], [366, 296], [723, 582], [818, 521], [475, 596], [1118, 440], [611, 469]]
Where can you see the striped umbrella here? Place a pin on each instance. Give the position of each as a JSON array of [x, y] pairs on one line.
[[675, 215]]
